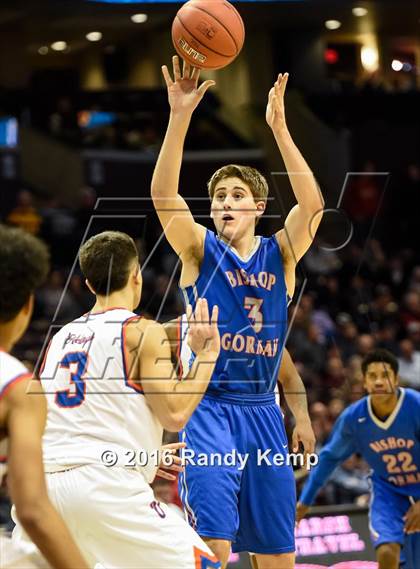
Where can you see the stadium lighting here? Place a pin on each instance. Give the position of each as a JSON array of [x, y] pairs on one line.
[[94, 36], [397, 65], [43, 50], [369, 57], [332, 24], [59, 46], [139, 18], [359, 11]]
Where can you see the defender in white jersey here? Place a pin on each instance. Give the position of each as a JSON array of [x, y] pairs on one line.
[[24, 266], [111, 390]]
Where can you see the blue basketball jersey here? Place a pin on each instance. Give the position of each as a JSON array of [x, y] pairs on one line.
[[390, 447], [252, 299]]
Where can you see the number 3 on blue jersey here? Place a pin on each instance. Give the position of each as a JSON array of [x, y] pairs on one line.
[[67, 397]]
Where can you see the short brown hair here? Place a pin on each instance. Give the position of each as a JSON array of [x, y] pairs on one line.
[[24, 265], [255, 180], [106, 260]]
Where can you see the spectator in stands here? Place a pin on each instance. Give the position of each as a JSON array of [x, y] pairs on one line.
[[409, 364], [25, 214], [63, 122], [365, 344], [51, 299]]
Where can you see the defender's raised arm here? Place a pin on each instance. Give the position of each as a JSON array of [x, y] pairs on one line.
[[184, 95]]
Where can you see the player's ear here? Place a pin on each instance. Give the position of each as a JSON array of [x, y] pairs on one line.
[[87, 283], [137, 274], [260, 208]]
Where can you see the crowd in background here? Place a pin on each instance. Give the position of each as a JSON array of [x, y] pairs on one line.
[[352, 299]]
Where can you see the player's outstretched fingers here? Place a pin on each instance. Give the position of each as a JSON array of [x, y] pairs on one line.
[[177, 68], [190, 315], [186, 70], [214, 315], [205, 312], [282, 82], [195, 76], [204, 86], [167, 76]]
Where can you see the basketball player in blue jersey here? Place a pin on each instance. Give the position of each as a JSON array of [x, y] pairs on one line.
[[251, 279], [384, 428]]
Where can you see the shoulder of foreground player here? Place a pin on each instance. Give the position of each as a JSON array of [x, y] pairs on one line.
[[142, 332]]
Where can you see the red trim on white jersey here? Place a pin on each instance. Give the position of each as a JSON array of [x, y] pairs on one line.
[[13, 382]]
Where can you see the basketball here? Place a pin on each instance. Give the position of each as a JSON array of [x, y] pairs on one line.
[[208, 33]]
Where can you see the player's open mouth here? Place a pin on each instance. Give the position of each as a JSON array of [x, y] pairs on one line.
[[227, 217]]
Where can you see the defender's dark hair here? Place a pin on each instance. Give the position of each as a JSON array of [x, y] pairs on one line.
[[24, 265], [106, 260], [380, 356]]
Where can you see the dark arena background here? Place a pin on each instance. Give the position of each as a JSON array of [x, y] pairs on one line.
[[83, 111]]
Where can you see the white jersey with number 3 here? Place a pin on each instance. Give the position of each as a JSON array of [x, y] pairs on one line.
[[95, 412]]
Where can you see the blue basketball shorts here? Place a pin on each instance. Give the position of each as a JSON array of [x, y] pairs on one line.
[[238, 484], [386, 523]]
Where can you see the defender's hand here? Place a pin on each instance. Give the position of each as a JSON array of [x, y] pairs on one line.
[[275, 115], [301, 511], [203, 333], [412, 519], [184, 94], [177, 464]]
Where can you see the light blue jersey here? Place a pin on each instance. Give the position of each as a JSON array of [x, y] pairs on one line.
[[391, 447], [252, 299]]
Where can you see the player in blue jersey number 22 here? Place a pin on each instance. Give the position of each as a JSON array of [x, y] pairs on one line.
[[251, 279], [384, 428]]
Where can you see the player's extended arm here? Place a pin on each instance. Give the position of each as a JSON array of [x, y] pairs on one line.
[[184, 95], [304, 218], [26, 414], [174, 401], [339, 448], [295, 395]]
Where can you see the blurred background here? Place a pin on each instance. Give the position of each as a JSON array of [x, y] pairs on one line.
[[83, 113]]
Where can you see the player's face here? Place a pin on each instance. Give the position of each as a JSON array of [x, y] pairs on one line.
[[233, 208], [380, 379]]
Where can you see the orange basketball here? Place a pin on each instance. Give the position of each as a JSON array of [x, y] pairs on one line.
[[208, 33]]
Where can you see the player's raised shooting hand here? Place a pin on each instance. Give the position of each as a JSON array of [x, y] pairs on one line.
[[412, 519], [184, 94], [203, 333], [301, 511], [275, 114]]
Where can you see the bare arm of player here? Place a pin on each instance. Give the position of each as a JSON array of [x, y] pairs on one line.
[[26, 415], [295, 395], [304, 218], [174, 401], [182, 232]]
